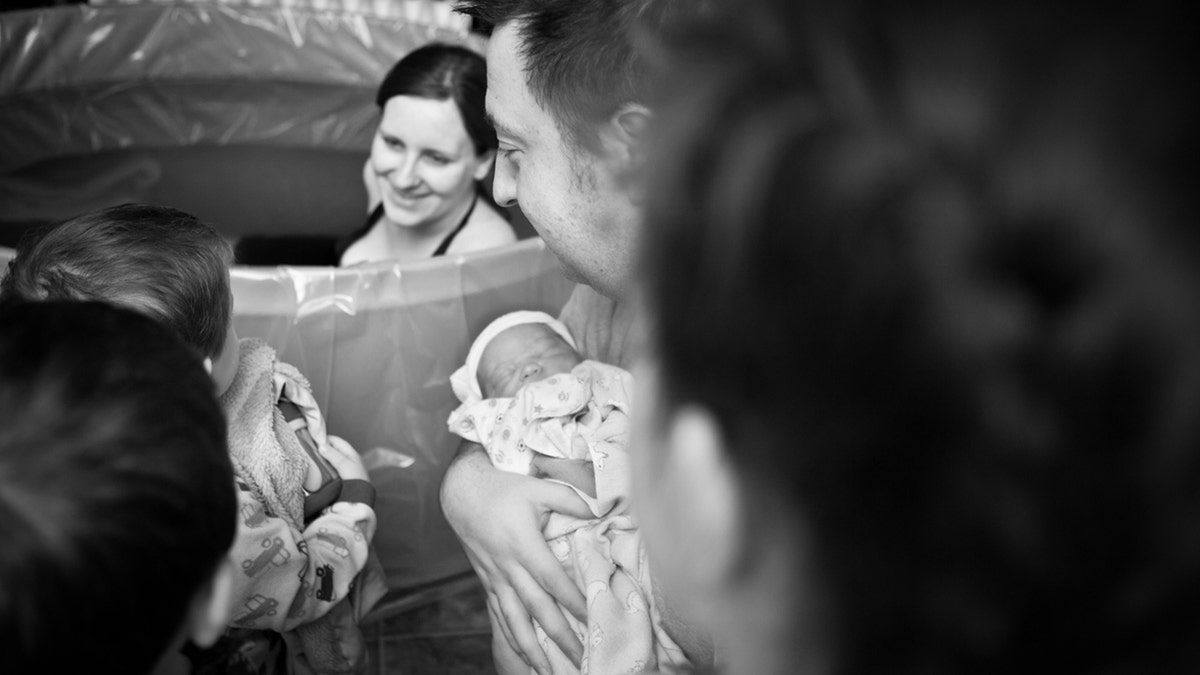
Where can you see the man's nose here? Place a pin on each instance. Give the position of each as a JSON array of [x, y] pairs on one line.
[[504, 184]]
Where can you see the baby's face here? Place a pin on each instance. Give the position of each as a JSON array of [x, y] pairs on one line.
[[522, 354]]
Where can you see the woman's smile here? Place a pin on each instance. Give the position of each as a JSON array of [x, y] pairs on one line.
[[406, 197]]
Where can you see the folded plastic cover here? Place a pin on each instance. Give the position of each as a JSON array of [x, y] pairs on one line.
[[77, 78], [378, 345]]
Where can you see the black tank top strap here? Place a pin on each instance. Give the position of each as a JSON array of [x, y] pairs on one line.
[[441, 249], [342, 245]]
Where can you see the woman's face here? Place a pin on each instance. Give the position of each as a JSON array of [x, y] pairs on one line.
[[424, 162]]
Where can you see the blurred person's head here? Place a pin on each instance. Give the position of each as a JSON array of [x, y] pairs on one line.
[[154, 259], [963, 437], [566, 93], [434, 142], [116, 492]]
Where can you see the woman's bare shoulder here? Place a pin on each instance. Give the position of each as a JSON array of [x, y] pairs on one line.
[[486, 229]]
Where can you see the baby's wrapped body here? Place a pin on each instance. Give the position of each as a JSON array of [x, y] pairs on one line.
[[574, 427]]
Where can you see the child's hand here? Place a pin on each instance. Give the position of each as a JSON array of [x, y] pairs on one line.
[[344, 458]]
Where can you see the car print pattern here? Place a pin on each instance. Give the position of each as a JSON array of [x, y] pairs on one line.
[[325, 588], [257, 607], [273, 554]]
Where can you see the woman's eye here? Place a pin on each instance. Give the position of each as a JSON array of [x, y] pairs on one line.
[[438, 159], [393, 143]]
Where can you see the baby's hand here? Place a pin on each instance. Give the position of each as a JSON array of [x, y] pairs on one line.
[[344, 458]]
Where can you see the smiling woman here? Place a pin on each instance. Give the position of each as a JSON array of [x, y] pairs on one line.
[[432, 149]]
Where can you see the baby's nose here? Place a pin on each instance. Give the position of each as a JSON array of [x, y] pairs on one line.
[[531, 370]]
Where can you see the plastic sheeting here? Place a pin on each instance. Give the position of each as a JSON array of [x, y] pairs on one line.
[[378, 344], [76, 79], [125, 102]]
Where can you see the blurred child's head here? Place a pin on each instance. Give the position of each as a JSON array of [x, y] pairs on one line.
[[154, 259], [116, 491], [514, 350]]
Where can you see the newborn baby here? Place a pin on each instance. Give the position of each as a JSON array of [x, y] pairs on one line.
[[538, 408]]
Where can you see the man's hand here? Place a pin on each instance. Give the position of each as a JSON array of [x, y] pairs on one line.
[[499, 517]]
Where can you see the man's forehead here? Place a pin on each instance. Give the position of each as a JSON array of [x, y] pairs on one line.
[[505, 124], [507, 85]]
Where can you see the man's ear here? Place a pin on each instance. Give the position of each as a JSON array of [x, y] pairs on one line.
[[699, 458], [485, 164], [209, 613], [624, 135]]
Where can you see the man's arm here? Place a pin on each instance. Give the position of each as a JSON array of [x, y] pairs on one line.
[[498, 516]]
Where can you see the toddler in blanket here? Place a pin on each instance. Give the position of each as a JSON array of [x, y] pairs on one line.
[[539, 408], [305, 573]]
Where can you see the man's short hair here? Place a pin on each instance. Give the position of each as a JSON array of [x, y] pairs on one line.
[[581, 59], [156, 259], [116, 491]]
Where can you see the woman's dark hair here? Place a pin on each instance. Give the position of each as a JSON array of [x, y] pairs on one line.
[[934, 271], [440, 71]]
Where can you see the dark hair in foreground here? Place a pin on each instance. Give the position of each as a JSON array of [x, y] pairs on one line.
[[116, 491], [581, 58], [445, 72], [151, 258], [963, 240]]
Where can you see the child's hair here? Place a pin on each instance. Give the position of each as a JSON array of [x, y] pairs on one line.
[[116, 491], [152, 258]]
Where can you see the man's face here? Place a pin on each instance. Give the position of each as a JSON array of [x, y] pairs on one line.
[[570, 195]]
